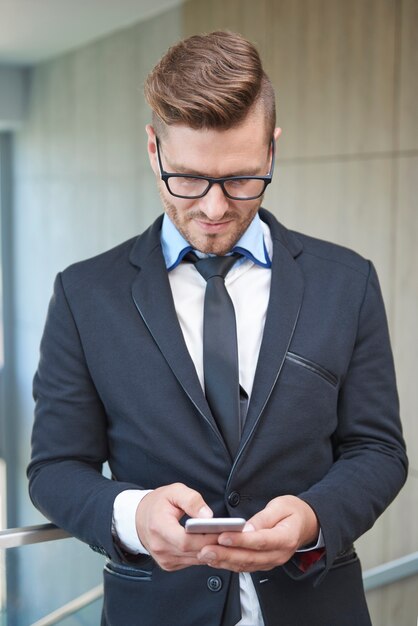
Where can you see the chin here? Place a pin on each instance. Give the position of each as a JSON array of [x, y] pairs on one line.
[[216, 248], [212, 243]]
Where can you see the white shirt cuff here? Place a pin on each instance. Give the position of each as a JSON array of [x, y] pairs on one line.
[[319, 544], [124, 519]]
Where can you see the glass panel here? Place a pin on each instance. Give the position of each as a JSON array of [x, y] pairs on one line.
[[2, 526], [88, 616], [1, 285], [46, 576], [2, 424]]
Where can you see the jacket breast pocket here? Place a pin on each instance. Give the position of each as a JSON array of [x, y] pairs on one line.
[[313, 367]]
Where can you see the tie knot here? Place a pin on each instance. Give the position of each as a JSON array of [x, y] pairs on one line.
[[212, 266]]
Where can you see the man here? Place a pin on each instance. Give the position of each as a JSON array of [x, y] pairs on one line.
[[310, 451]]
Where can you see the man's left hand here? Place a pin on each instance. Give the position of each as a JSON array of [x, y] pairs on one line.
[[270, 538]]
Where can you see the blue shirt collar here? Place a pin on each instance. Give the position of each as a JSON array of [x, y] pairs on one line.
[[251, 244]]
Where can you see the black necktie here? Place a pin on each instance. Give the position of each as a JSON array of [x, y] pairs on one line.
[[220, 363], [220, 350]]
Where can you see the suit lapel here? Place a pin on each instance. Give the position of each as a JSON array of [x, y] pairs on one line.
[[153, 299], [285, 301]]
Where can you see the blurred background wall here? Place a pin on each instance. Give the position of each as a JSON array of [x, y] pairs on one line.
[[345, 75]]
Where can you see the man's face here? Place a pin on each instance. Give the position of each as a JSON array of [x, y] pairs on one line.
[[214, 223]]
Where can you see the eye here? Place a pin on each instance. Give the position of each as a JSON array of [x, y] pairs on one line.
[[187, 181], [237, 182]]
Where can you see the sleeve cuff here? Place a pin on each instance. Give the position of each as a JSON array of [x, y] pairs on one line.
[[123, 521], [319, 544]]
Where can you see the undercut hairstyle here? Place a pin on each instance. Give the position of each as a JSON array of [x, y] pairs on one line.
[[210, 81]]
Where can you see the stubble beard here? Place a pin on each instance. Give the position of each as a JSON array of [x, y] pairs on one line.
[[208, 243]]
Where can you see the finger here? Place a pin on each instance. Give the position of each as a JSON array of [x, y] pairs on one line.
[[189, 501], [192, 544], [268, 517], [261, 540], [172, 535], [271, 517], [158, 516], [171, 545], [175, 564], [241, 560], [173, 501]]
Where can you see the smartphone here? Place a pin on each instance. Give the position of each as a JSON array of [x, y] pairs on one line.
[[214, 524]]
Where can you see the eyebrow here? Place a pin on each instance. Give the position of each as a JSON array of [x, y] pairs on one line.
[[179, 169]]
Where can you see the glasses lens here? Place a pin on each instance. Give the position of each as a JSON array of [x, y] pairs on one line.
[[242, 188], [186, 186]]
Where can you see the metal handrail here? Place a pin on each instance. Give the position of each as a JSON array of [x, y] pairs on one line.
[[391, 572], [71, 607], [373, 578], [16, 537]]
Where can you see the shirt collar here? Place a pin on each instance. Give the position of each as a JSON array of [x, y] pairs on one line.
[[251, 244]]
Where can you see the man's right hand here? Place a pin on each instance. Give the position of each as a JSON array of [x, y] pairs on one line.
[[159, 530]]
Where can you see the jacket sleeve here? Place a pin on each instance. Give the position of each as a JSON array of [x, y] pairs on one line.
[[69, 440], [370, 463]]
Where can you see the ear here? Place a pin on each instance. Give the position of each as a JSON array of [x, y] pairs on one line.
[[152, 148]]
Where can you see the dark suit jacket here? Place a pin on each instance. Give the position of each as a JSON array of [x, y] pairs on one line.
[[116, 383]]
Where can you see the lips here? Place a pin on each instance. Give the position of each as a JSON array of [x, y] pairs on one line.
[[213, 227]]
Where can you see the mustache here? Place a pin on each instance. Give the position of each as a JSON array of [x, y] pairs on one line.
[[200, 215]]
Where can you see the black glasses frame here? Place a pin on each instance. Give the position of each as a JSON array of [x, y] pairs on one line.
[[165, 176]]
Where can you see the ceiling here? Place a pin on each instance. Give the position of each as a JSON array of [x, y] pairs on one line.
[[34, 30]]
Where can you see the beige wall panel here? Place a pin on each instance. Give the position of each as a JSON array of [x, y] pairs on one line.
[[402, 535], [153, 38], [394, 605], [244, 16], [334, 70], [345, 202], [408, 109], [372, 547], [332, 63], [395, 533], [406, 307]]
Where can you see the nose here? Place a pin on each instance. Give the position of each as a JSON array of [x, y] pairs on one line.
[[215, 203]]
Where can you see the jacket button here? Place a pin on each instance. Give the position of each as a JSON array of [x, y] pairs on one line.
[[214, 583], [234, 498]]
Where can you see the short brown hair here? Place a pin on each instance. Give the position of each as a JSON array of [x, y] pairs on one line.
[[209, 81]]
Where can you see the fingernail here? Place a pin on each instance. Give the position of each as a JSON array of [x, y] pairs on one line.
[[208, 557], [248, 528], [225, 541], [205, 512]]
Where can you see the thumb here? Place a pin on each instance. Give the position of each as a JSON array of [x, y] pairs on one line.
[[267, 518]]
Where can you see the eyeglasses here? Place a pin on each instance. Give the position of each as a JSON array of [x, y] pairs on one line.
[[234, 187]]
